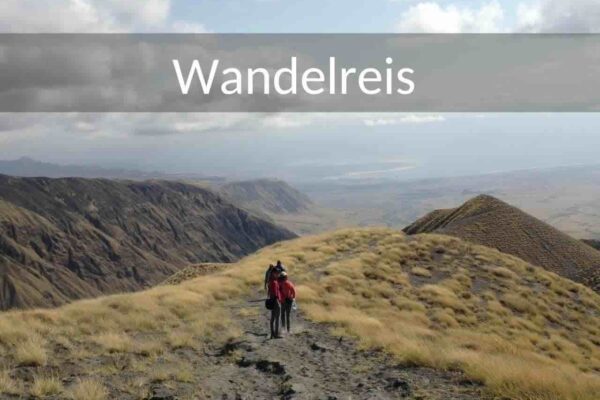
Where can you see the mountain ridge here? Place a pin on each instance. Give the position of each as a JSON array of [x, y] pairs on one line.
[[28, 167], [491, 222], [266, 196], [69, 238]]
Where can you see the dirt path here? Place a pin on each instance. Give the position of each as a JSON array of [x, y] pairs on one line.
[[310, 363]]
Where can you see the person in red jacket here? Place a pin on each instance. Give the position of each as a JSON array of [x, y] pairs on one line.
[[276, 299], [288, 295]]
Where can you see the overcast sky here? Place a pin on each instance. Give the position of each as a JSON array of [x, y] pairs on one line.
[[250, 144]]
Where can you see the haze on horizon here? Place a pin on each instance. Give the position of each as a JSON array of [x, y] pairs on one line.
[[308, 146], [311, 148]]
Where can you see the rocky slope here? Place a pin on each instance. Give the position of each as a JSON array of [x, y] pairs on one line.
[[491, 222], [63, 239], [278, 201], [592, 242], [267, 196]]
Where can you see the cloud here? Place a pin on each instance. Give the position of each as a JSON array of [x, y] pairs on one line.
[[91, 16], [287, 120], [404, 119], [188, 27], [535, 16], [430, 17], [559, 16]]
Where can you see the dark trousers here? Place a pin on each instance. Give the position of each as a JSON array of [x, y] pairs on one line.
[[286, 310], [275, 312]]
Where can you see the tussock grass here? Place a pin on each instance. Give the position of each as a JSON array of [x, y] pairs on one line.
[[46, 386], [500, 320], [88, 389], [7, 384], [420, 271], [181, 339], [31, 352], [114, 342], [522, 331]]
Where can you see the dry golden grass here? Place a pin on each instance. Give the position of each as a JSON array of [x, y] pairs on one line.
[[88, 389], [31, 352], [114, 342], [522, 331], [7, 384], [180, 339], [46, 386], [488, 314], [420, 271], [125, 331]]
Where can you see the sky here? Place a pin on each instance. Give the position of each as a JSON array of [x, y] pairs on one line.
[[310, 145]]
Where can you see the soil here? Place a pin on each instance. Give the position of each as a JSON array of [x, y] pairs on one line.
[[310, 363]]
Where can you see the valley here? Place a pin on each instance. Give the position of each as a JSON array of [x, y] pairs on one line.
[[567, 198]]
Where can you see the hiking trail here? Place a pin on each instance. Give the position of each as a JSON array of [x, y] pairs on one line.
[[310, 363]]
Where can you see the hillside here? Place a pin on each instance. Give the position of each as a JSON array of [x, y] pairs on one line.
[[490, 222], [592, 242], [194, 271], [266, 196], [280, 202], [383, 315], [63, 239]]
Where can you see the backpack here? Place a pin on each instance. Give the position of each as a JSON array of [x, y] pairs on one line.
[[269, 305]]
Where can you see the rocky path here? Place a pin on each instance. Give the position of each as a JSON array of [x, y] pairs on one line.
[[309, 363]]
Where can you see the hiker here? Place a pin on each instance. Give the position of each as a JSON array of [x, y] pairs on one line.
[[274, 301], [279, 267], [268, 276], [288, 295]]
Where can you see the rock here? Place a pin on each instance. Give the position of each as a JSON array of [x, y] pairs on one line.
[[297, 388], [246, 362], [267, 366], [271, 367], [232, 346], [399, 385], [316, 346], [161, 393], [293, 389]]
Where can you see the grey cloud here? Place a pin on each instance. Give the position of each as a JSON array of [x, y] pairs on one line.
[[134, 73], [78, 16], [560, 16], [101, 73]]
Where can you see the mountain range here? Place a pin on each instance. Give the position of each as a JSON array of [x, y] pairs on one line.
[[68, 238], [29, 167]]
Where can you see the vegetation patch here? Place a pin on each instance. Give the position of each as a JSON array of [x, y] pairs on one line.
[[524, 332]]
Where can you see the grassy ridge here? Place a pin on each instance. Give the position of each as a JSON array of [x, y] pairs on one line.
[[428, 299], [437, 301], [491, 222]]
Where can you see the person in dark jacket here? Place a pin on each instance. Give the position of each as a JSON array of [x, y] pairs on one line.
[[278, 267], [268, 276], [288, 295], [275, 298]]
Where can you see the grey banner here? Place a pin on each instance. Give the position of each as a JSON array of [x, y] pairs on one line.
[[298, 73]]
